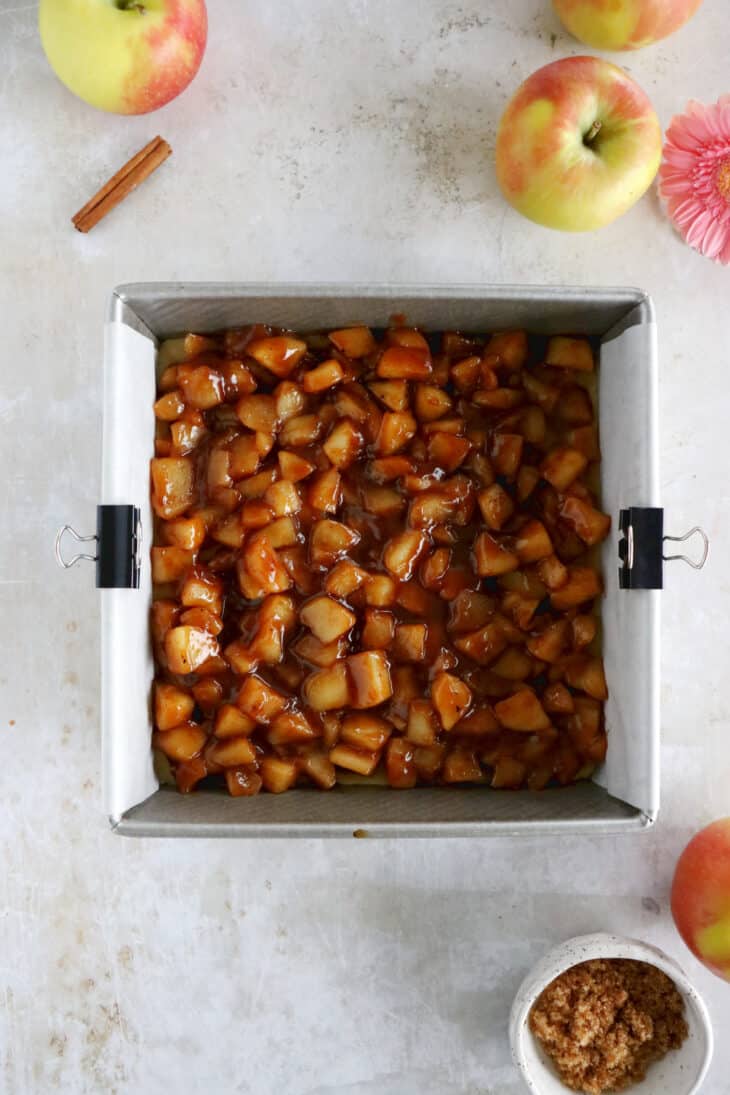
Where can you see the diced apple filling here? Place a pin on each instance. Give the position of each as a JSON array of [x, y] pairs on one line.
[[373, 557]]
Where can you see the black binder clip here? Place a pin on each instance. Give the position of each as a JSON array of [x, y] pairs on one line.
[[118, 540], [641, 548]]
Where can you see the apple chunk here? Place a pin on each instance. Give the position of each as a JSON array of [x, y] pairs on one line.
[[396, 430], [587, 674], [293, 467], [344, 579], [583, 584], [522, 711], [325, 491], [446, 451], [422, 728], [588, 522], [431, 403], [570, 353], [232, 752], [173, 706], [187, 648], [327, 689], [326, 618], [451, 698], [461, 766], [380, 590], [354, 760], [493, 558], [409, 644], [243, 780], [169, 563], [370, 677], [483, 645], [331, 540], [353, 342], [562, 466], [403, 552], [400, 763], [344, 443], [292, 726], [280, 355], [259, 700], [324, 376], [367, 732], [260, 570], [277, 774], [180, 744], [320, 654], [533, 543], [185, 532], [173, 485], [202, 387], [510, 347], [496, 506], [379, 629], [403, 363], [231, 722], [393, 393], [320, 769]]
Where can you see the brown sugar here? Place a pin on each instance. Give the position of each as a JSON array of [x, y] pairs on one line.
[[603, 1022]]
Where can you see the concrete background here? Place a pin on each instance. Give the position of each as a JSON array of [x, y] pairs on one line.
[[329, 140]]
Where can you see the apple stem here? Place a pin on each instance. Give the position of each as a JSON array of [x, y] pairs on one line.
[[592, 132], [131, 5]]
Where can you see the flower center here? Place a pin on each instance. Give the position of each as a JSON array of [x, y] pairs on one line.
[[722, 180]]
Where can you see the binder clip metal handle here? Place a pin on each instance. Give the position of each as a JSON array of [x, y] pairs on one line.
[[58, 550], [695, 564]]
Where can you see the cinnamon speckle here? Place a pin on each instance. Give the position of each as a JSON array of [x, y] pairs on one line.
[[57, 1043], [125, 957]]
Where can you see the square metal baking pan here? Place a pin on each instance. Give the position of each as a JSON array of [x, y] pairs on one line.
[[624, 795]]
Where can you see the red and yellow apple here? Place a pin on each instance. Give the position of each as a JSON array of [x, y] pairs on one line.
[[577, 145], [701, 896], [624, 24], [124, 56]]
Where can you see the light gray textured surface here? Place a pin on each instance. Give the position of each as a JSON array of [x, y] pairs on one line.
[[332, 140]]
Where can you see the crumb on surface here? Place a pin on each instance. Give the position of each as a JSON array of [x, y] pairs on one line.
[[603, 1022]]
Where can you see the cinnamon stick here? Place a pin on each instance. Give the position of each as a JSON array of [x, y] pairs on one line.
[[135, 171]]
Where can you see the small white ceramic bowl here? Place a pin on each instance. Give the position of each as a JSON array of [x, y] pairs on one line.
[[681, 1072]]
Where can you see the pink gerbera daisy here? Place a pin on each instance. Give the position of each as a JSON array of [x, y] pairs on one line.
[[694, 178]]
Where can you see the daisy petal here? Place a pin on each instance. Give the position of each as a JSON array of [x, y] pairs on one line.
[[724, 255], [684, 212], [713, 240], [696, 230], [679, 158], [675, 185], [724, 120], [681, 138]]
